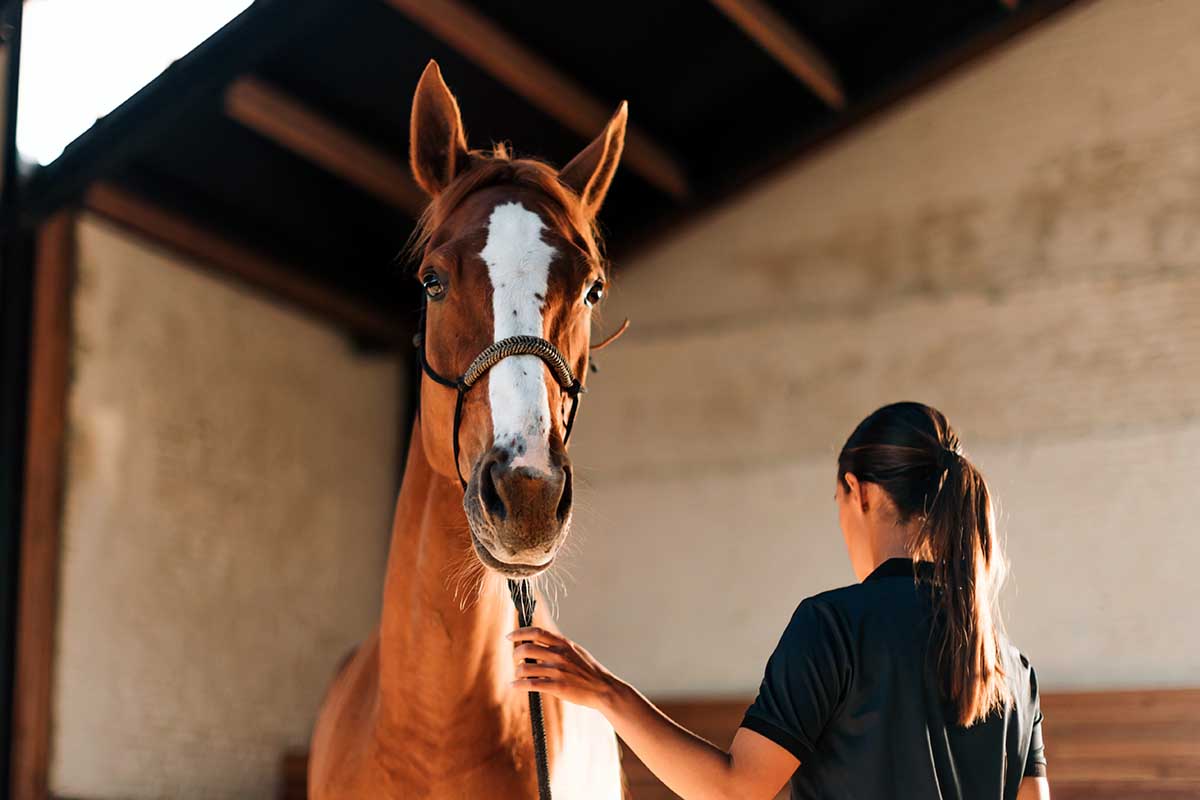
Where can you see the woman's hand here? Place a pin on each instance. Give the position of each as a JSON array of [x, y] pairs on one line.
[[561, 668], [692, 767]]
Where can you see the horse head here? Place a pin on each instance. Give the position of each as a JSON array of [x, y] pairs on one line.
[[508, 248]]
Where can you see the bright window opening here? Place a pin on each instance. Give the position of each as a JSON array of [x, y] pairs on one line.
[[80, 59]]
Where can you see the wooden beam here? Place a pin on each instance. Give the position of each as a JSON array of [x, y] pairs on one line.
[[289, 123], [211, 250], [41, 518], [511, 63], [787, 46]]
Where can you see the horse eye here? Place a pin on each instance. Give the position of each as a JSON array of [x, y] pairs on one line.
[[595, 294], [434, 288]]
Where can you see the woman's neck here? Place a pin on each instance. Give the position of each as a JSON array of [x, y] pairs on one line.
[[882, 542]]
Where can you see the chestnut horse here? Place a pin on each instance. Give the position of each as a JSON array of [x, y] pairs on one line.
[[424, 708]]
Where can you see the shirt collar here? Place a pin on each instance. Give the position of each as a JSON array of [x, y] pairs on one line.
[[899, 568]]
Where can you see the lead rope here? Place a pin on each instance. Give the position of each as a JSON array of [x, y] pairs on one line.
[[523, 599], [522, 594]]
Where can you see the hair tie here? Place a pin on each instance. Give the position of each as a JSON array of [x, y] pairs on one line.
[[946, 457]]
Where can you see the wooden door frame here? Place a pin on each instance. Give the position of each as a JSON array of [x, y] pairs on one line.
[[41, 517]]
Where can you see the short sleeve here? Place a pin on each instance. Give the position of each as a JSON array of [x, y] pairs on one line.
[[1035, 762], [804, 681]]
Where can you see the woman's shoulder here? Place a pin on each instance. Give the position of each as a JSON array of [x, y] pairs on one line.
[[1021, 677], [848, 611], [840, 603], [1016, 660], [870, 596]]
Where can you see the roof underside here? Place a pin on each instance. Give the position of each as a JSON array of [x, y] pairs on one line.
[[698, 86]]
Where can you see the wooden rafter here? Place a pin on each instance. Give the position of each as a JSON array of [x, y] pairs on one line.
[[514, 65], [787, 46], [213, 251], [288, 122]]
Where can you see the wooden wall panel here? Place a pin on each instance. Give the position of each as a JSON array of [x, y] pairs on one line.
[[1124, 745], [1147, 738]]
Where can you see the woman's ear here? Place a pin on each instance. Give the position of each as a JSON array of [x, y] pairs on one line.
[[855, 492]]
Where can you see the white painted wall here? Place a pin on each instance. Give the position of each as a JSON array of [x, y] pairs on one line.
[[1019, 246], [231, 474]]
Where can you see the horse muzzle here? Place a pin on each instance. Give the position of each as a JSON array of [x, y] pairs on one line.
[[519, 516]]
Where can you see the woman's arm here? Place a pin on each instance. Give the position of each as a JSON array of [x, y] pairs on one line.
[[754, 768], [1034, 788]]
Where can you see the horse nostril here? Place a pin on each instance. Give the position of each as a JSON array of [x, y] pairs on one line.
[[492, 501], [564, 502]]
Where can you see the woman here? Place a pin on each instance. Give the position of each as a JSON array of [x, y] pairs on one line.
[[902, 685]]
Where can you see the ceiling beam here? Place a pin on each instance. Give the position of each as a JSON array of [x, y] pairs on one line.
[[289, 123], [510, 62], [211, 250], [787, 46]]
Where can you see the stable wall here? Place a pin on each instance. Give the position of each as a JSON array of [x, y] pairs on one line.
[[1018, 246], [231, 468]]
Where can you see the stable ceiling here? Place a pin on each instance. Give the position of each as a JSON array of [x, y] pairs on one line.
[[287, 131]]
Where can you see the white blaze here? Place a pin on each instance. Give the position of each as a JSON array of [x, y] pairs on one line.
[[519, 266]]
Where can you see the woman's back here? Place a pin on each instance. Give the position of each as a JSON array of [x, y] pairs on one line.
[[901, 686], [852, 691]]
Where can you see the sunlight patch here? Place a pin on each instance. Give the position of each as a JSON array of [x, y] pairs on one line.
[[80, 59]]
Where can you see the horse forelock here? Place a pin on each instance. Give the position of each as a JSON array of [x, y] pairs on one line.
[[498, 168]]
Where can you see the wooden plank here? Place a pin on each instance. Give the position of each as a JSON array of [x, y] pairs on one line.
[[42, 513], [1101, 707], [288, 122], [511, 63], [1140, 755], [786, 45], [1154, 751], [229, 258], [1150, 790]]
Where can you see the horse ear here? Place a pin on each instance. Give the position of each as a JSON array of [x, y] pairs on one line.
[[591, 172], [437, 143]]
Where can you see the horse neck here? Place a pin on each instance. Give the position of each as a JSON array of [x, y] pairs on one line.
[[441, 647]]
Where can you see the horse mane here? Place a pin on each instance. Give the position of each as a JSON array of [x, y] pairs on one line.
[[498, 167]]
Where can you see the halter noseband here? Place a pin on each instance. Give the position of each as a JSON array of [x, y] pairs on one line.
[[492, 355]]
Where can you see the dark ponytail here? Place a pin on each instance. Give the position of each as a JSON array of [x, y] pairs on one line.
[[912, 453]]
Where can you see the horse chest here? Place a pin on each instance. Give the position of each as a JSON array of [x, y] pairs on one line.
[[587, 765]]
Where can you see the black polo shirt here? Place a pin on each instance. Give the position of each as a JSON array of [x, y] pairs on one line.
[[850, 692]]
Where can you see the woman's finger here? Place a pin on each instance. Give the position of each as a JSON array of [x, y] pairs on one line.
[[524, 670], [562, 689], [537, 635], [563, 686], [541, 653]]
